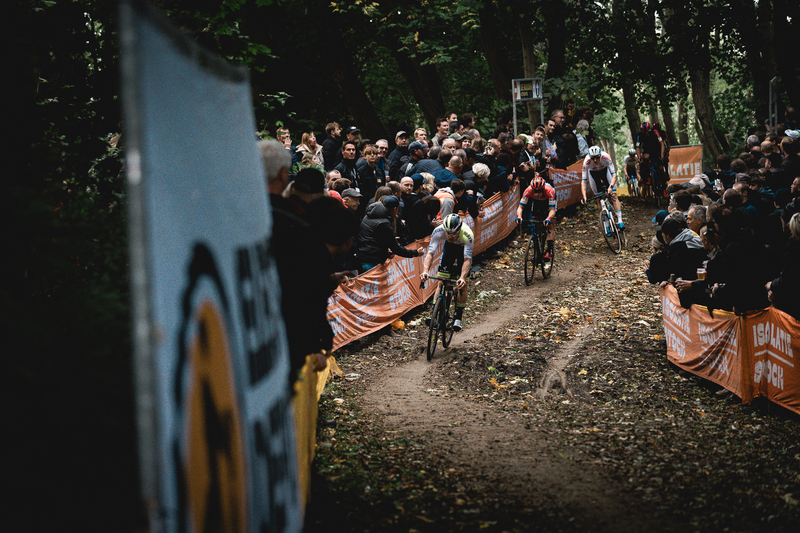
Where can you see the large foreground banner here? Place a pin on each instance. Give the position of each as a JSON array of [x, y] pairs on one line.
[[750, 355], [216, 431]]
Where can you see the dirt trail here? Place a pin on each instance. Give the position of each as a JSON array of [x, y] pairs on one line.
[[503, 455]]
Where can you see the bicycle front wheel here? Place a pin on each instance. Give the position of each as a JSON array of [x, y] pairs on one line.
[[610, 231], [447, 322], [547, 266], [436, 322], [530, 259]]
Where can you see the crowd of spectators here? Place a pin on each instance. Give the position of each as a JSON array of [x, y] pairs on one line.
[[731, 237], [344, 206]]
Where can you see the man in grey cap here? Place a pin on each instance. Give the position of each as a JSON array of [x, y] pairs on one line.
[[351, 199], [419, 162], [401, 140]]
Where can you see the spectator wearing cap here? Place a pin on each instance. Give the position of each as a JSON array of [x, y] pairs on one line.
[[308, 185], [351, 199], [395, 158], [332, 145], [457, 137], [377, 241], [418, 152]]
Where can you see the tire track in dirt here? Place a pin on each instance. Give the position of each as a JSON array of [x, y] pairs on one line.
[[499, 452]]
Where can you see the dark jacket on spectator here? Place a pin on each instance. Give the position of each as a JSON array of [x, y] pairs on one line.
[[740, 267], [331, 147], [394, 162], [377, 236], [786, 287]]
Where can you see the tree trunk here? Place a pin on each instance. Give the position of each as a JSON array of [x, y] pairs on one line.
[[526, 38], [631, 110], [786, 40], [355, 96], [714, 143], [683, 112], [653, 109], [753, 24], [493, 51], [556, 48], [425, 85]]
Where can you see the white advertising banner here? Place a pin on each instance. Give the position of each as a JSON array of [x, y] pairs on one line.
[[215, 427]]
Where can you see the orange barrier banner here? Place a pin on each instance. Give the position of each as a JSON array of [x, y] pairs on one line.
[[771, 338], [382, 295], [705, 346], [750, 355], [685, 162], [567, 184]]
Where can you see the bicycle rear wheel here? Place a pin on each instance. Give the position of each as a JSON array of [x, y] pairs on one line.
[[547, 266], [447, 322], [433, 331], [530, 259], [612, 235]]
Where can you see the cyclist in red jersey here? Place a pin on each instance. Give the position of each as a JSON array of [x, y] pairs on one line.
[[542, 198]]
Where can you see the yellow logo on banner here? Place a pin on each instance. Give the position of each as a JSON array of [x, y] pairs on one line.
[[215, 473]]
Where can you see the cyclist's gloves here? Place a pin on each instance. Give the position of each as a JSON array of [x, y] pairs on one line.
[[518, 220], [547, 221]]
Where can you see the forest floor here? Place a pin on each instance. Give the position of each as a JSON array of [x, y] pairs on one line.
[[555, 409]]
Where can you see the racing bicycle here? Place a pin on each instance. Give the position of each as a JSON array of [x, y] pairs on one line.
[[441, 319], [535, 249], [615, 238]]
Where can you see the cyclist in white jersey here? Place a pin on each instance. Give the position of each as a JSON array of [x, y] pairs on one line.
[[457, 239], [599, 173]]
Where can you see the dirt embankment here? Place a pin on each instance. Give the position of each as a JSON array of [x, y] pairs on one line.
[[554, 410]]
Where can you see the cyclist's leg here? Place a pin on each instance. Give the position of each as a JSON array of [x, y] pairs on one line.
[[461, 294], [616, 202]]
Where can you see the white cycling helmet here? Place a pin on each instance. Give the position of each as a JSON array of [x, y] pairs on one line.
[[594, 151], [452, 223]]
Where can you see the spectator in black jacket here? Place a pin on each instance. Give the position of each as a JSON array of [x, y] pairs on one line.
[[331, 145], [737, 273], [395, 158], [784, 291], [377, 241]]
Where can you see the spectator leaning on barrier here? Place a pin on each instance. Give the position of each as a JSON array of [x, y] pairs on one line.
[[299, 255], [737, 273], [784, 290], [377, 241]]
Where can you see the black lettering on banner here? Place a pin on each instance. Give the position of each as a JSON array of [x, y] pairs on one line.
[[259, 335], [272, 446]]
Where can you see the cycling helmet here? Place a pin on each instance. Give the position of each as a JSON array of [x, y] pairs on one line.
[[631, 152], [646, 126], [594, 151], [452, 223], [537, 183], [656, 126]]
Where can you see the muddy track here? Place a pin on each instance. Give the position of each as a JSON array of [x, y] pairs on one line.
[[502, 453]]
